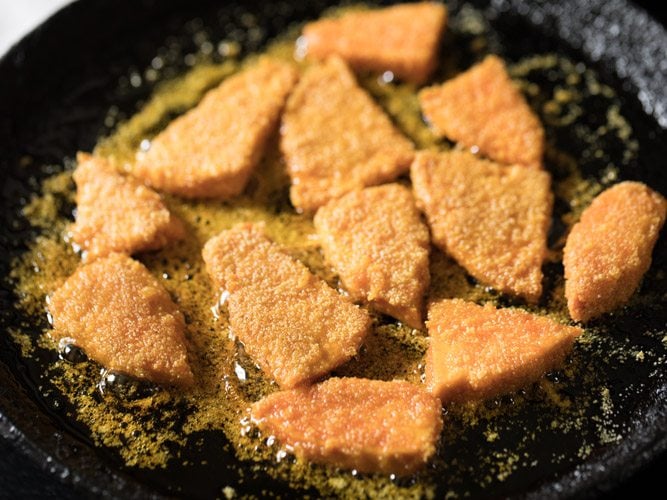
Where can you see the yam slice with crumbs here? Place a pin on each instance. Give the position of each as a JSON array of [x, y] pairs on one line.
[[335, 139], [477, 352], [210, 151], [291, 322], [609, 249], [121, 316], [377, 243], [482, 108], [403, 39], [116, 213], [492, 219], [367, 425]]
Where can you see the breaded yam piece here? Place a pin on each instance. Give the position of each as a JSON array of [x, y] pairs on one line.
[[291, 323], [402, 39], [492, 219], [477, 352], [377, 243], [609, 249], [367, 425], [119, 314], [482, 108], [211, 150], [336, 139], [116, 213]]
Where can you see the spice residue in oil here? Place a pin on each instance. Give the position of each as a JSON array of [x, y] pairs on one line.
[[483, 444]]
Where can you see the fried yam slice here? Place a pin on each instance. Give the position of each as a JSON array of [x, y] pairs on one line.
[[291, 323], [491, 218], [478, 352], [609, 249], [119, 314], [402, 39], [116, 213], [336, 139], [377, 243], [482, 108], [367, 425], [210, 151]]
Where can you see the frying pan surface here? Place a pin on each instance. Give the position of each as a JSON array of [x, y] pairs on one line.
[[56, 87]]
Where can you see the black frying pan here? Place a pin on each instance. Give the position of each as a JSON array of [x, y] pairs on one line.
[[56, 87]]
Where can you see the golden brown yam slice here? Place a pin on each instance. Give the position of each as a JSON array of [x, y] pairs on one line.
[[292, 323], [480, 351], [482, 108], [116, 213], [119, 314], [336, 139], [491, 218], [211, 150], [367, 425], [402, 39], [376, 241], [609, 250]]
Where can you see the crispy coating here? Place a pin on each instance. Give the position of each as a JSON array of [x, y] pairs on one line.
[[336, 139], [116, 213], [367, 425], [478, 352], [402, 39], [119, 314], [211, 150], [491, 218], [609, 249], [377, 243], [292, 323], [482, 108]]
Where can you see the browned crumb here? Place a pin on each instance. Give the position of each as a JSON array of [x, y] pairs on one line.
[[376, 241], [210, 151], [491, 218], [482, 108], [367, 425], [402, 39], [116, 213], [120, 315], [480, 351], [336, 139], [609, 250], [292, 323]]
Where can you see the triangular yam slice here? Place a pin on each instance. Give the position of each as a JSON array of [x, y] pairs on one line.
[[402, 39], [491, 218], [119, 314], [477, 352], [117, 213], [367, 425], [210, 151], [482, 108], [291, 323], [377, 243], [336, 139], [609, 249]]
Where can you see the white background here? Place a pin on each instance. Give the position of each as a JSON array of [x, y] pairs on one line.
[[19, 17]]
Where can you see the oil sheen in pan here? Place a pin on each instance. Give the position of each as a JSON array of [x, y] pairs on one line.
[[500, 446]]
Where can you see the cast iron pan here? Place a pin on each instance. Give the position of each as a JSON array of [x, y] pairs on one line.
[[56, 87]]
